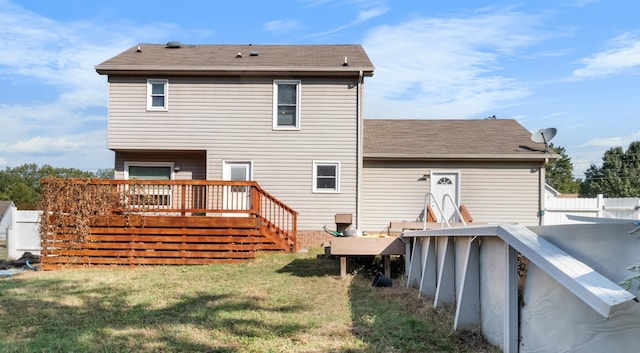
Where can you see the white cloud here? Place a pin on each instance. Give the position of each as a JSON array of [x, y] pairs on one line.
[[581, 3], [446, 67], [281, 26], [366, 15], [64, 119], [363, 16], [615, 141], [3, 161], [42, 144], [623, 54], [554, 115]]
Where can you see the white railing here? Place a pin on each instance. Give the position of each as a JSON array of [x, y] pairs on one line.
[[444, 219]]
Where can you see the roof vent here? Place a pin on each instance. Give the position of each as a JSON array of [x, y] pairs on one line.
[[239, 55], [254, 53], [173, 45], [346, 62]]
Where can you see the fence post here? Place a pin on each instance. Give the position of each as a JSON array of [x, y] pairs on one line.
[[600, 205], [12, 234]]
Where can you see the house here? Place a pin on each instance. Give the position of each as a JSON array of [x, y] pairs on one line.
[[290, 118], [5, 218], [491, 166], [285, 116]]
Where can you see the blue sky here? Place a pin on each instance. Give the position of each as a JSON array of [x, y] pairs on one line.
[[573, 65]]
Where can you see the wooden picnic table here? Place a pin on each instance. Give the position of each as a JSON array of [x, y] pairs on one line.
[[367, 246]]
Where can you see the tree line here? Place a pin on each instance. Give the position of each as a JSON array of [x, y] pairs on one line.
[[22, 184], [618, 176]]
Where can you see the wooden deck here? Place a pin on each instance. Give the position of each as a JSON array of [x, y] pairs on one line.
[[174, 223]]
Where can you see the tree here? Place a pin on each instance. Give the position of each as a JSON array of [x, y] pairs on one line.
[[106, 173], [21, 184], [619, 175], [559, 173]]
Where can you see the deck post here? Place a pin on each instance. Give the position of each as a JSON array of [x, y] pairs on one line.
[[183, 198], [294, 232], [255, 201]]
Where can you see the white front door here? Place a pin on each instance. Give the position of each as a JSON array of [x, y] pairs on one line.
[[236, 197], [444, 187]]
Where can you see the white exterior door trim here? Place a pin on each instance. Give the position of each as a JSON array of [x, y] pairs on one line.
[[237, 198], [439, 187]]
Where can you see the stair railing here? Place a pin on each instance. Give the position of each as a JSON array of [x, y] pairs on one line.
[[455, 207]]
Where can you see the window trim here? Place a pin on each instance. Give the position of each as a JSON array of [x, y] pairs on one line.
[[170, 165], [150, 83], [298, 84], [128, 164], [316, 164]]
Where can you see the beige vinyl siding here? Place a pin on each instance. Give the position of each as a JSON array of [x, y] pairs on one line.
[[232, 119], [391, 192], [493, 192], [502, 193]]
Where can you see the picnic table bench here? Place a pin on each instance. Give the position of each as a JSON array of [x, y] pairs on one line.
[[367, 246]]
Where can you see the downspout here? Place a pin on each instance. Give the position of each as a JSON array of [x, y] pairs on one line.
[[360, 126], [541, 192]]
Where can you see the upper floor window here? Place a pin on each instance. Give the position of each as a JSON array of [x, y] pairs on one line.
[[286, 105], [157, 94], [326, 176]]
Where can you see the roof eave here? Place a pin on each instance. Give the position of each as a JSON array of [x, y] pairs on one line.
[[229, 70], [542, 157]]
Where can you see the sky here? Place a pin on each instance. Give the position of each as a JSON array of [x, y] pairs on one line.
[[573, 65]]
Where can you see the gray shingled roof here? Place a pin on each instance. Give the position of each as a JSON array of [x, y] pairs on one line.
[[4, 205], [202, 59], [450, 139]]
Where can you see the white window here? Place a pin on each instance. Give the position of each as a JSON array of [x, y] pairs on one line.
[[150, 194], [286, 105], [157, 94], [326, 177]]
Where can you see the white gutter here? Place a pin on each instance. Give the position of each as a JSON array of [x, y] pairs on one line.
[[541, 197], [359, 155]]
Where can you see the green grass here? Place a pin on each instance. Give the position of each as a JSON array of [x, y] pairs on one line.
[[277, 303]]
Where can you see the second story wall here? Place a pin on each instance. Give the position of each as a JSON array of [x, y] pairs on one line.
[[207, 112]]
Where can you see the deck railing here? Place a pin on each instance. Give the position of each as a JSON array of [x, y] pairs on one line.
[[203, 198]]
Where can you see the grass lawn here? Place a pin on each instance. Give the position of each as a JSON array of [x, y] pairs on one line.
[[276, 303]]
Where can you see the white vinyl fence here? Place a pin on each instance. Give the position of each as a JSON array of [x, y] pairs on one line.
[[557, 208], [23, 233]]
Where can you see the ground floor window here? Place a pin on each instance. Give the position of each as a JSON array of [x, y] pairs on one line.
[[150, 194], [326, 176]]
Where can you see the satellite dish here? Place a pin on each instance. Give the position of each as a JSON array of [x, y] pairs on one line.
[[544, 136]]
